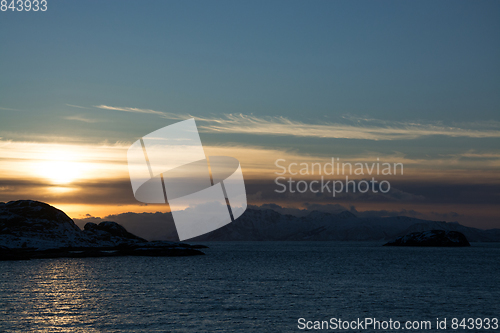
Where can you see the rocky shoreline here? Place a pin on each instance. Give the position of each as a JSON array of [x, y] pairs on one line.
[[35, 230]]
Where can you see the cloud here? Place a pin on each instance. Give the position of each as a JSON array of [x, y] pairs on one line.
[[289, 192], [82, 119], [162, 114], [355, 128], [367, 129], [78, 106]]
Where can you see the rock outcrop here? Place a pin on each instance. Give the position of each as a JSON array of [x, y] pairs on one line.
[[31, 229], [110, 232], [439, 238]]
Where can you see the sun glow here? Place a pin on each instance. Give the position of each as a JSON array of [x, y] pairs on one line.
[[61, 167], [60, 172], [55, 164]]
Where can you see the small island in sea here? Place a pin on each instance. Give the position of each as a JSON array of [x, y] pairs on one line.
[[441, 238]]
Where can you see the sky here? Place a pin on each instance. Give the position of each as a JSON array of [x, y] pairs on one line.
[[406, 82]]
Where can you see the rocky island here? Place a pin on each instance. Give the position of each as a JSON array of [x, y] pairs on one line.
[[32, 229], [440, 238]]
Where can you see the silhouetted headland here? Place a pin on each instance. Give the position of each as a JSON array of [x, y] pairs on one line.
[[32, 229]]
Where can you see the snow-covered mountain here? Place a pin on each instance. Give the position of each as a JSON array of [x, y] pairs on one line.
[[261, 224]]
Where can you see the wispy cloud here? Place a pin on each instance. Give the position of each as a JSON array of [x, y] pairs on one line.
[[8, 109], [78, 106], [162, 114], [353, 128], [82, 119], [368, 129]]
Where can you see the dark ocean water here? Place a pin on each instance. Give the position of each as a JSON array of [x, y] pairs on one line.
[[251, 287]]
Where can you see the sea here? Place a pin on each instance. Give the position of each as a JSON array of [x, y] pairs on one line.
[[259, 287]]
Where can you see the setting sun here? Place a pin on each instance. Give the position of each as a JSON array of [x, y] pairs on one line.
[[60, 166], [60, 172]]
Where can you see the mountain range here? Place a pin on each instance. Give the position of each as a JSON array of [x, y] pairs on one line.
[[269, 225], [32, 224]]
